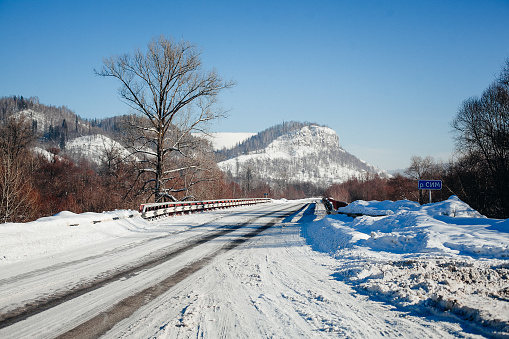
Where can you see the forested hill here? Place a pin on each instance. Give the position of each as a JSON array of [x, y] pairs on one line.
[[261, 140], [310, 154], [55, 124]]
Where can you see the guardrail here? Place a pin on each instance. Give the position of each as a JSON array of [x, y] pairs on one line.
[[154, 210]]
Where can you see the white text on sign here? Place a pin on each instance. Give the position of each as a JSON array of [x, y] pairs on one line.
[[430, 184]]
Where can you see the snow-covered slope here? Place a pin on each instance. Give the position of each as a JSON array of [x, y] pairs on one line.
[[95, 148], [310, 154], [224, 140], [42, 120]]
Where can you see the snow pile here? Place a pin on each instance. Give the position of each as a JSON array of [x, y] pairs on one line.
[[442, 256], [378, 207], [453, 207]]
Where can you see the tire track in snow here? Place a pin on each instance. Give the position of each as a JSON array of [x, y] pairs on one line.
[[34, 307], [120, 249], [29, 309], [104, 321]]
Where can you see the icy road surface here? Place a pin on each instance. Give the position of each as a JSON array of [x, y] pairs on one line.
[[242, 272]]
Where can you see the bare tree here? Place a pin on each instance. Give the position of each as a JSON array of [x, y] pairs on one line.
[[482, 132], [17, 196], [171, 96], [422, 169]]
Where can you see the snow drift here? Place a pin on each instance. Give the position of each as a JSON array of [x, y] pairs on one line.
[[440, 256]]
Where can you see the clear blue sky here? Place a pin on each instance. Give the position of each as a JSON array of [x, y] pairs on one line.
[[387, 76]]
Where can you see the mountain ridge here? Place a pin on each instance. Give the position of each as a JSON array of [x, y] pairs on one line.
[[301, 153]]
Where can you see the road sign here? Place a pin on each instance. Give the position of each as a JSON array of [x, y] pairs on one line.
[[430, 184]]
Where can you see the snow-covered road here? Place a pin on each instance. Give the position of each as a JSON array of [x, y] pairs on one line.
[[243, 272], [273, 286]]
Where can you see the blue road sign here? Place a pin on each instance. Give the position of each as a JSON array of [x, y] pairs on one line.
[[430, 184]]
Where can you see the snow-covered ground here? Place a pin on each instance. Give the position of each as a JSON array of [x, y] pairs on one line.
[[438, 257], [437, 270]]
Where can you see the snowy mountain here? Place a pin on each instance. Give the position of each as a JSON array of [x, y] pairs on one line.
[[309, 154], [55, 126]]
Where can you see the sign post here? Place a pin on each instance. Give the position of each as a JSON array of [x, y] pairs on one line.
[[430, 185]]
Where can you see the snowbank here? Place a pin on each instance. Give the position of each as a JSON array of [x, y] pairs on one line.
[[378, 207], [441, 256], [452, 207], [63, 231]]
